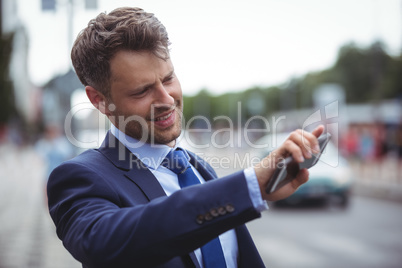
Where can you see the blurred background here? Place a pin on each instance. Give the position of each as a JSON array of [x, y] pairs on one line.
[[251, 72]]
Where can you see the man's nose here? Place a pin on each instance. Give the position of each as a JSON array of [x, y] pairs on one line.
[[163, 96]]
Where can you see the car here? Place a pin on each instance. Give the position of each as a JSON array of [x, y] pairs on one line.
[[330, 180]]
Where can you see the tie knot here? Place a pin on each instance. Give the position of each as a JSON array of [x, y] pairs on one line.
[[176, 161]]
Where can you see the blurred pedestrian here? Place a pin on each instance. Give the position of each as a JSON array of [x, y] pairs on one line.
[[350, 143], [399, 151], [54, 148]]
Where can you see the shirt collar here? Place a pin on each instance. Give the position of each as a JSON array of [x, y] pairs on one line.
[[151, 155]]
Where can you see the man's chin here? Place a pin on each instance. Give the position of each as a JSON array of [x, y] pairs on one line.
[[155, 135], [165, 135], [164, 138]]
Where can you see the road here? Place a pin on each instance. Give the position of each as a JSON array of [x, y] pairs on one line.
[[27, 234], [368, 234]]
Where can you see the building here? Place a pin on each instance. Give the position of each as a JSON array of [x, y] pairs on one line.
[[25, 93]]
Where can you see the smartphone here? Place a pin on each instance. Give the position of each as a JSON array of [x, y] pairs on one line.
[[291, 167]]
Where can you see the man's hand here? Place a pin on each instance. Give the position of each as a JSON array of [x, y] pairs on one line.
[[300, 145]]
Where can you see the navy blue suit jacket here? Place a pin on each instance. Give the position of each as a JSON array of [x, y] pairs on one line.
[[110, 211]]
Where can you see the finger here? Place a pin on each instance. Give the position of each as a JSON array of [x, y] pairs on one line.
[[304, 140], [310, 139], [318, 131], [294, 149], [309, 142]]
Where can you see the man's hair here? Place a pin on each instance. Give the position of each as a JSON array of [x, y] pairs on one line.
[[124, 28]]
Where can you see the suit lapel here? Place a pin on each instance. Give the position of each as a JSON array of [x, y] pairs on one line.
[[138, 173], [134, 169], [146, 181]]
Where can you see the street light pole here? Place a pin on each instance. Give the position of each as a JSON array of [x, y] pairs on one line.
[[70, 24]]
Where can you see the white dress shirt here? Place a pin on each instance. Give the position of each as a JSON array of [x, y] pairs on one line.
[[153, 155]]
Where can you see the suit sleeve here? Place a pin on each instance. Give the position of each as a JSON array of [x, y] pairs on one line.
[[98, 231]]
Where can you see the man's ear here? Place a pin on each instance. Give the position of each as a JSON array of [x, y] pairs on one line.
[[97, 99]]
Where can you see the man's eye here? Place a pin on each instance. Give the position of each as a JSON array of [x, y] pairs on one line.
[[139, 93], [168, 79]]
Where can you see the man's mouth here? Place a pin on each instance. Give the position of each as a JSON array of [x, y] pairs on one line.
[[165, 120], [162, 118]]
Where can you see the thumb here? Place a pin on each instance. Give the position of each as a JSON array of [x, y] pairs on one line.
[[301, 178], [289, 188], [318, 131]]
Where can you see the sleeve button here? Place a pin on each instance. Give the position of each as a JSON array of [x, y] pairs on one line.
[[208, 216], [214, 212], [200, 219], [221, 211], [230, 208]]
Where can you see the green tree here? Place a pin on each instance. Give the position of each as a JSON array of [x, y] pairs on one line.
[[362, 71], [367, 74]]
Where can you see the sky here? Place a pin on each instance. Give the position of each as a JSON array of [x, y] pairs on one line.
[[228, 45]]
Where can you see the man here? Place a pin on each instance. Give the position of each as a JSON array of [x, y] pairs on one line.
[[119, 205]]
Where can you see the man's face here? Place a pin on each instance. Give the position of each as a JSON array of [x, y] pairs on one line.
[[145, 98]]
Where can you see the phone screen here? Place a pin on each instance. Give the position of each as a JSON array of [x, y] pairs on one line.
[[291, 167]]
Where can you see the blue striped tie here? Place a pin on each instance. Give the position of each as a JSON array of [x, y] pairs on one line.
[[177, 161]]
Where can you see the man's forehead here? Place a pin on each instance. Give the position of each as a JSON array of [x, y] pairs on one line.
[[135, 64]]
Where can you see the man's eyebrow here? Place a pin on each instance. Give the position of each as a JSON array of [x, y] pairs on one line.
[[169, 74], [143, 87]]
